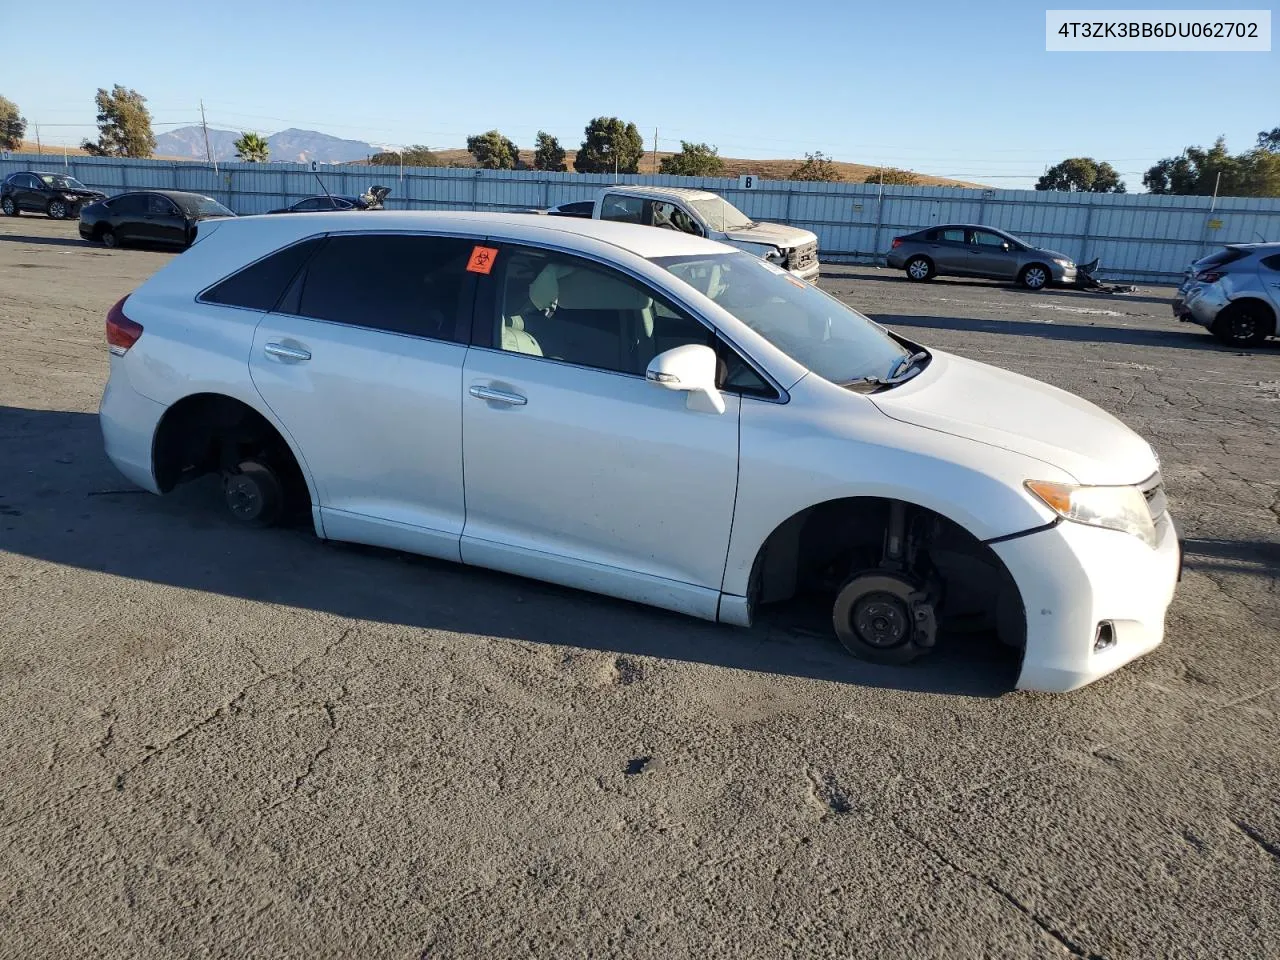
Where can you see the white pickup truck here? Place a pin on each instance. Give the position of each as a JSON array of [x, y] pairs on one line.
[[705, 214]]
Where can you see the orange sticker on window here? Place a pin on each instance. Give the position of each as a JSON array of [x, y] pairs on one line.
[[482, 259]]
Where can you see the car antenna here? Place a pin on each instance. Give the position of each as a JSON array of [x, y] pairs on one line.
[[316, 174]]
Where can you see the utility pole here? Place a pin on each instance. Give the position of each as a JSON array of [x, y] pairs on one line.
[[39, 148], [655, 149], [205, 126]]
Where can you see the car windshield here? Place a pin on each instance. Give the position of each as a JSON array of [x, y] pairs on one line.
[[62, 182], [810, 326], [204, 207], [720, 214]]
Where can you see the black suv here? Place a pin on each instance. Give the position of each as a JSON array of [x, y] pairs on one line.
[[56, 194]]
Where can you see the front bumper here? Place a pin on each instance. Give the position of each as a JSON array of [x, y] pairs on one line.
[[808, 273], [1072, 578], [1064, 275]]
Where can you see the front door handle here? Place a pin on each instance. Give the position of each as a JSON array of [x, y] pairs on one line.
[[498, 396], [286, 354]]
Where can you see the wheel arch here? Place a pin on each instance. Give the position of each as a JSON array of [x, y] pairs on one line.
[[777, 567], [177, 438], [1252, 300]]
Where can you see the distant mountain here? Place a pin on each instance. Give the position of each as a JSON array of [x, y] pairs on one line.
[[188, 142], [289, 146]]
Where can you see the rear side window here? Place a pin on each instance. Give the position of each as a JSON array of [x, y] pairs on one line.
[[260, 285], [129, 204], [395, 282], [1272, 262], [947, 235], [1222, 258]]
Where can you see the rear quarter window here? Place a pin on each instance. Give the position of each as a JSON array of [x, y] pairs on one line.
[[261, 285], [1272, 262]]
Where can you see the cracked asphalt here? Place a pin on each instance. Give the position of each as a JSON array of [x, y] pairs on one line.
[[231, 743]]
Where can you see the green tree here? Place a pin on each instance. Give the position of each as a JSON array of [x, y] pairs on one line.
[[124, 125], [1197, 172], [417, 155], [816, 166], [493, 151], [548, 154], [13, 126], [1269, 140], [1081, 175], [693, 160], [609, 144], [894, 176], [252, 148]]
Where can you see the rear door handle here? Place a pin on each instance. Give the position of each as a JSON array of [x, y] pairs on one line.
[[286, 354], [498, 396]]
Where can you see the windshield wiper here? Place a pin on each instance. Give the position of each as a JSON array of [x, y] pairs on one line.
[[902, 371]]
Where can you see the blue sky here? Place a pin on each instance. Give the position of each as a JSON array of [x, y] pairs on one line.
[[965, 90]]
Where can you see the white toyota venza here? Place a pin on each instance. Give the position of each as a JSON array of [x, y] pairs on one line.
[[644, 414]]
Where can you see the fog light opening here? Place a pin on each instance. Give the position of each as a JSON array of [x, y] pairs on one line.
[[1105, 637]]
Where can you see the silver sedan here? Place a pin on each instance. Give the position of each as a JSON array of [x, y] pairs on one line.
[[966, 250]]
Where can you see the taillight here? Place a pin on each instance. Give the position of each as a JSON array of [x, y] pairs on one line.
[[1210, 276], [897, 242], [122, 333]]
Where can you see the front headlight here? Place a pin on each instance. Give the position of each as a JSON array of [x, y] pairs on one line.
[[1113, 508], [775, 255], [1063, 263], [69, 196]]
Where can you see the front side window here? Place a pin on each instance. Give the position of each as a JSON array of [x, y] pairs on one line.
[[158, 206], [400, 283], [563, 308], [622, 209], [812, 327], [669, 216], [985, 238]]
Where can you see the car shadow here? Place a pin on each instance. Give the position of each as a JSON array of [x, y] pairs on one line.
[[75, 241], [62, 502], [1193, 338], [1250, 553], [889, 275]]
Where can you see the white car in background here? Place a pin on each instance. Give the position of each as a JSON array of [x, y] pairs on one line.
[[641, 413]]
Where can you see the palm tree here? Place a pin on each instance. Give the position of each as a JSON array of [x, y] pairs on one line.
[[252, 148]]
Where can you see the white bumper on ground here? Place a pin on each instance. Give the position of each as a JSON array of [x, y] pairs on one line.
[[1073, 577], [128, 421]]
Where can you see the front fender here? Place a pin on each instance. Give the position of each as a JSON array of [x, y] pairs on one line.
[[797, 455]]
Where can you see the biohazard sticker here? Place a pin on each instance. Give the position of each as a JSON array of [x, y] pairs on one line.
[[482, 260]]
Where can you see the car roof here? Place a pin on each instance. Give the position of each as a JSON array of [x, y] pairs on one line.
[[683, 193], [643, 241], [963, 226]]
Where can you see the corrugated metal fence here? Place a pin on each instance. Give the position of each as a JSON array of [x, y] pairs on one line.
[[1137, 236]]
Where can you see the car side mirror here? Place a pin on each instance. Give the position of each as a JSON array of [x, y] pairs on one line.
[[691, 368], [1006, 246]]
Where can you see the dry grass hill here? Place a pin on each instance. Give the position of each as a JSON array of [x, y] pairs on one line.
[[767, 169]]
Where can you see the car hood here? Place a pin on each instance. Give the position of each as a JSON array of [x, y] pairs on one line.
[[1006, 410], [774, 233]]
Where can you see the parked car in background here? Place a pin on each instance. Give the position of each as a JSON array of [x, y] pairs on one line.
[[371, 199], [167, 217], [56, 195], [1234, 292], [645, 414], [705, 214], [969, 250]]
